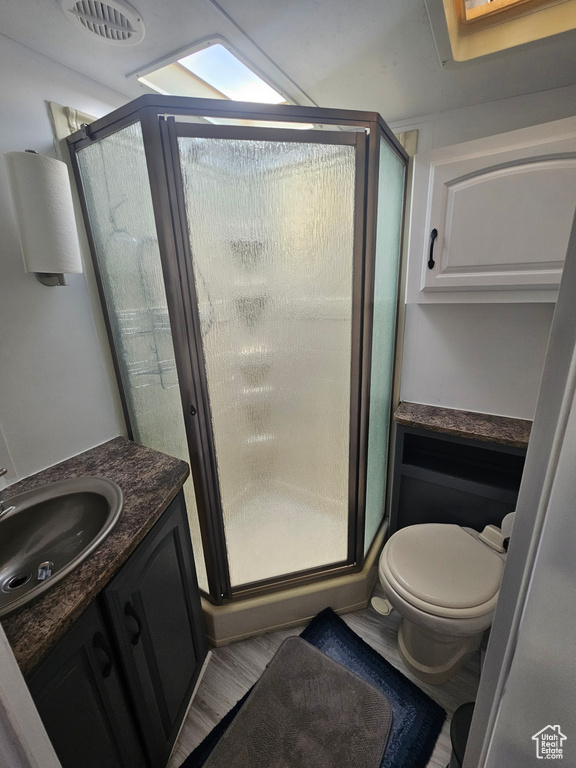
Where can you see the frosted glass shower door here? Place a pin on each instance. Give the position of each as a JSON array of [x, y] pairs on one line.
[[114, 178], [391, 175], [272, 249]]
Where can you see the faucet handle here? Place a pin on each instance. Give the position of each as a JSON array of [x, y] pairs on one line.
[[45, 570], [4, 510]]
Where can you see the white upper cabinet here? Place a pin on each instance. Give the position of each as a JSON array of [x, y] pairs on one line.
[[490, 219]]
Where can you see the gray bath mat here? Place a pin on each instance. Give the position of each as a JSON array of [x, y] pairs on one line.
[[306, 711]]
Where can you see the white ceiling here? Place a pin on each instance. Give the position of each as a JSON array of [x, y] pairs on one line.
[[357, 54]]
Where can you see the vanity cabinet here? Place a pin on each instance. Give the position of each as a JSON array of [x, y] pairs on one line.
[[157, 623], [491, 219], [115, 690], [79, 694], [442, 478]]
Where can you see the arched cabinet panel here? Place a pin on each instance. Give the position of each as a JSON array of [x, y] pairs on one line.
[[491, 218]]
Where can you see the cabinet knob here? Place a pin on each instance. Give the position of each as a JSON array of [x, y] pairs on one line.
[[433, 236], [130, 612], [100, 644]]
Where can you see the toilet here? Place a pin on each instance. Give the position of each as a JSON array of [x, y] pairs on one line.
[[444, 581]]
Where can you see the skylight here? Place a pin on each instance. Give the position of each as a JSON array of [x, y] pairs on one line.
[[212, 72], [474, 9], [227, 74], [480, 27]]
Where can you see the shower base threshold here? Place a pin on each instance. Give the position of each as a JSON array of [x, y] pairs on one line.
[[290, 607]]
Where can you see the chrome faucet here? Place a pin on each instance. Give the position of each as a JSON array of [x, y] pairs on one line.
[[4, 510], [45, 570]]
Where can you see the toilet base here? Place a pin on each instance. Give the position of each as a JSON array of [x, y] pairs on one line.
[[433, 657]]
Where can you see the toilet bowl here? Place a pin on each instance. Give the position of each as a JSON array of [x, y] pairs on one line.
[[444, 582]]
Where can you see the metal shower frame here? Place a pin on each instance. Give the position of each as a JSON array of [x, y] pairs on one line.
[[157, 116]]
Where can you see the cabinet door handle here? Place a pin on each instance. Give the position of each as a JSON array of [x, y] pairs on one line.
[[433, 236], [99, 643], [131, 613]]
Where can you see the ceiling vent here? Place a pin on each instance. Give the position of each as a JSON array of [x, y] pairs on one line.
[[113, 21]]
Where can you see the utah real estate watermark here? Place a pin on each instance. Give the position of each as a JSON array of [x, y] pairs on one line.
[[549, 743]]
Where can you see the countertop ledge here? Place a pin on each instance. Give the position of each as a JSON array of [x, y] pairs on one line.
[[149, 481], [476, 426]]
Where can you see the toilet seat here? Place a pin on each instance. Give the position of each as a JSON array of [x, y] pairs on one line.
[[442, 570]]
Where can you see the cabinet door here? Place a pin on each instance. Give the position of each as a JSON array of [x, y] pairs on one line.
[[77, 692], [155, 607], [502, 209]]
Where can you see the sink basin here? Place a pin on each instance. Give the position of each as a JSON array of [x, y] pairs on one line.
[[47, 532]]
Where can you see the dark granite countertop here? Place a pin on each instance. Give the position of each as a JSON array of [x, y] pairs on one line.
[[149, 481], [477, 426]]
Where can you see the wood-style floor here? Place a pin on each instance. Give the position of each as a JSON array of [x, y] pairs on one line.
[[232, 669]]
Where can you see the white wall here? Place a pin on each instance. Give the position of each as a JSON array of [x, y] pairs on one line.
[[57, 391], [476, 357], [454, 126], [479, 357]]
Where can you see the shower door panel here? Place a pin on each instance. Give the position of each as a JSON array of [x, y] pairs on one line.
[[275, 253], [390, 203], [114, 180]]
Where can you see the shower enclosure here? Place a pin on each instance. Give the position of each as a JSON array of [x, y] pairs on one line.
[[247, 258]]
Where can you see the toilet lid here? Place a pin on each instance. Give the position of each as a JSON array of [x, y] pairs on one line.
[[443, 565]]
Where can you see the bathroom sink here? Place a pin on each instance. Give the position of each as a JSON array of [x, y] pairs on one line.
[[47, 532]]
